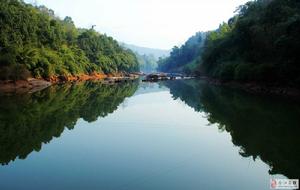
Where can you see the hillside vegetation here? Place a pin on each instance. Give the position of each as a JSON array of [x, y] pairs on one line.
[[184, 58], [33, 41], [259, 44]]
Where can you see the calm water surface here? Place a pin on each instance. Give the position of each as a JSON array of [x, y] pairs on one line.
[[170, 135]]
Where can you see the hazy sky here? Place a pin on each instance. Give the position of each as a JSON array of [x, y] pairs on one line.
[[149, 23]]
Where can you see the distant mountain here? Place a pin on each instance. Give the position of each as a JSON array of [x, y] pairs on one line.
[[147, 51], [184, 59]]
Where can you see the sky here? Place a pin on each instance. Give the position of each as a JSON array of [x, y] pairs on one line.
[[149, 23]]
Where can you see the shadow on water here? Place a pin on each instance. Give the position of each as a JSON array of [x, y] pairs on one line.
[[262, 126], [28, 121]]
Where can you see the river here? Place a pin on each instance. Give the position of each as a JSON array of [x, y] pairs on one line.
[[183, 134]]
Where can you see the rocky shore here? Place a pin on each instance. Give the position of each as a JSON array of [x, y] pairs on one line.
[[33, 85]]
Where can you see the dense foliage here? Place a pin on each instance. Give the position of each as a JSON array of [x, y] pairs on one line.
[[28, 121], [184, 58], [261, 43], [33, 41]]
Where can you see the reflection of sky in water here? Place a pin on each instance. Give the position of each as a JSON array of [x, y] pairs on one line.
[[153, 142]]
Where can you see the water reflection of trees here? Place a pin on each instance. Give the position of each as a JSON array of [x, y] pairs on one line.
[[264, 127], [28, 121]]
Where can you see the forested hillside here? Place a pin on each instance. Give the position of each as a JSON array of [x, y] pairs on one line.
[[260, 44], [184, 58], [33, 41]]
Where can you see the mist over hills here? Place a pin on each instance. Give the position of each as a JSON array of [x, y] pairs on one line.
[[147, 51], [147, 57]]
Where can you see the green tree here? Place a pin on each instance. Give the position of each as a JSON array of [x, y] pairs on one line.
[[44, 45]]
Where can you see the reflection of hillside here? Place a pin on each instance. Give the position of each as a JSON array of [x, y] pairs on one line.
[[186, 90], [147, 87], [28, 121], [263, 127]]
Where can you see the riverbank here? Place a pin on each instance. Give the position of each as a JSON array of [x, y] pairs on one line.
[[31, 85], [257, 88]]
